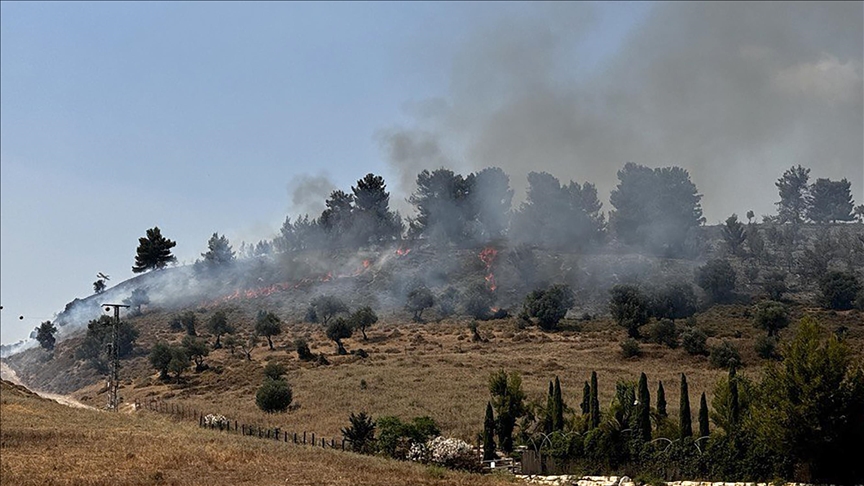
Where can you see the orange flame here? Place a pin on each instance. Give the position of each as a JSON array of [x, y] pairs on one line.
[[403, 251], [487, 256]]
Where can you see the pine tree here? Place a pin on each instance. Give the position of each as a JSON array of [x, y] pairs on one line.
[[154, 251], [45, 335], [558, 415], [489, 434], [661, 401], [793, 194], [219, 251], [594, 409], [703, 417], [684, 410], [644, 409]]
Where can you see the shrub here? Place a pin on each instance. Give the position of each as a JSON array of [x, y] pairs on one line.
[[419, 299], [447, 302], [360, 433], [478, 302], [303, 352], [549, 306], [766, 347], [717, 279], [396, 438], [274, 370], [839, 290], [664, 332], [451, 453], [629, 307], [725, 355], [693, 341], [274, 396], [674, 301], [771, 316], [775, 285], [630, 348], [186, 320]]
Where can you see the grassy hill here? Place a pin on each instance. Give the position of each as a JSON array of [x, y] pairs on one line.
[[43, 442]]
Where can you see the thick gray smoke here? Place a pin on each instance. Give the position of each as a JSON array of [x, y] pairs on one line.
[[734, 92]]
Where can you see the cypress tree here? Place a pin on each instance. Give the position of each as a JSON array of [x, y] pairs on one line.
[[586, 398], [661, 401], [489, 434], [644, 410], [684, 410], [558, 416], [703, 417], [734, 408], [550, 410], [595, 403]]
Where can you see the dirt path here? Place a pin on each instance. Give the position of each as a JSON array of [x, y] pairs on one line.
[[8, 374]]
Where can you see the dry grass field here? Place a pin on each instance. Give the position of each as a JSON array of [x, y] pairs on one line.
[[45, 443], [435, 369]]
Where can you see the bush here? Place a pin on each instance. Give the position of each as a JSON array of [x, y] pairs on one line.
[[839, 290], [274, 370], [630, 348], [303, 351], [771, 316], [360, 433], [549, 306], [693, 341], [775, 285], [725, 355], [419, 299], [717, 279], [396, 438], [674, 301], [274, 396], [766, 347], [630, 308], [664, 332]]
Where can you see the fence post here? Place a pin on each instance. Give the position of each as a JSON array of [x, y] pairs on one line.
[[313, 438], [304, 437], [343, 444], [332, 443], [295, 437], [200, 421], [235, 426]]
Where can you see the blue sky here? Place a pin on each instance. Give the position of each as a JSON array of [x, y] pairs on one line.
[[198, 117], [117, 117]]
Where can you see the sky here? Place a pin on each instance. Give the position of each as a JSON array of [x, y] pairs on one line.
[[227, 117]]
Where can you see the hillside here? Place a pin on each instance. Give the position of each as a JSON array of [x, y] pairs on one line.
[[43, 442], [435, 368]]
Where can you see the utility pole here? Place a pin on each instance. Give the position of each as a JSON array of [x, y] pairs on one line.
[[114, 372]]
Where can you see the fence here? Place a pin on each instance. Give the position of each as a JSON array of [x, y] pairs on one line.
[[271, 433]]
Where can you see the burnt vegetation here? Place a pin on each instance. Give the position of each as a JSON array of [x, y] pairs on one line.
[[647, 272]]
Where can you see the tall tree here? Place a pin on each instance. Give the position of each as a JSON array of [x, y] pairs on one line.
[[830, 201], [558, 400], [684, 418], [734, 234], [793, 189], [373, 220], [45, 335], [336, 221], [489, 434], [643, 411], [556, 216], [630, 308], [218, 324], [444, 209], [703, 417], [586, 399], [491, 199], [219, 251], [154, 251], [509, 402], [661, 401], [594, 411], [267, 324], [655, 208]]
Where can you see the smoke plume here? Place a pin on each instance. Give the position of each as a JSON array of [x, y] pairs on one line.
[[735, 93]]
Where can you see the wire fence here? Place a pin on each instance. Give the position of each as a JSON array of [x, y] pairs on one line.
[[221, 423]]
